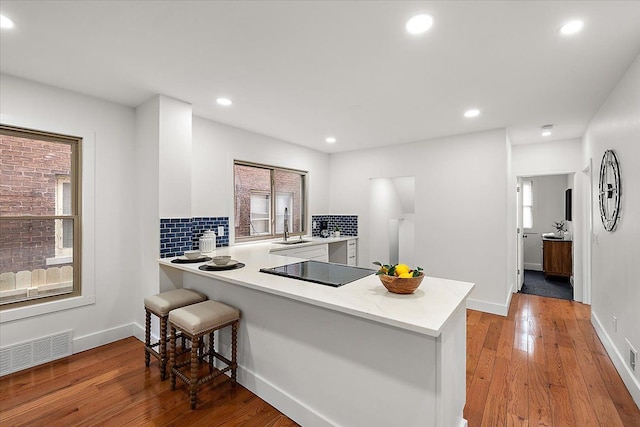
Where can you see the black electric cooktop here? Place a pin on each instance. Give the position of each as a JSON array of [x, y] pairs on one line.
[[323, 273]]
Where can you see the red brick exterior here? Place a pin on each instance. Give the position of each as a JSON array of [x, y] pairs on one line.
[[28, 171], [250, 179]]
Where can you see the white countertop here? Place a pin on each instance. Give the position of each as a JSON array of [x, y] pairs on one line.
[[426, 311]]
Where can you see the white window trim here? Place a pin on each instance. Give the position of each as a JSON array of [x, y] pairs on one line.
[[88, 288], [61, 251], [531, 207]]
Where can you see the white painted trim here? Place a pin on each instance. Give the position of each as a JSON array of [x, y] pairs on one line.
[[275, 396], [489, 307], [138, 332], [59, 260], [628, 377], [492, 307], [12, 314], [88, 285], [107, 336], [463, 423], [284, 402], [532, 266]]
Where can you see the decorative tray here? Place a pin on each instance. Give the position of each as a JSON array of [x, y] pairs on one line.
[[185, 260], [231, 265]]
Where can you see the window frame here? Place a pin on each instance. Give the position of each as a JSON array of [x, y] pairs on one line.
[[303, 200], [528, 182], [76, 213], [61, 251]]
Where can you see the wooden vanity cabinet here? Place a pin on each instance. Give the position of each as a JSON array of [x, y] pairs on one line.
[[557, 258]]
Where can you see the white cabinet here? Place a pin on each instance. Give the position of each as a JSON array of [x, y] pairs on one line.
[[340, 251], [344, 252], [352, 252], [314, 252]]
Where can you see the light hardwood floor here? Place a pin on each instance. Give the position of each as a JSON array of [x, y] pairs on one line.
[[541, 365]]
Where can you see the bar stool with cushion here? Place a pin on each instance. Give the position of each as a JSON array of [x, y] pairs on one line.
[[195, 322], [161, 305]]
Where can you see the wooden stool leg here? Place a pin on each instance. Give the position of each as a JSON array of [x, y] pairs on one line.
[[211, 350], [193, 384], [163, 347], [234, 352], [172, 357], [147, 337]]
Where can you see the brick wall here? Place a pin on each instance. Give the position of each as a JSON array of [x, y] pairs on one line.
[[28, 171], [250, 179]]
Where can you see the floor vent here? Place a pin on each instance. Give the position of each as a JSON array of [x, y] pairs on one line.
[[36, 352]]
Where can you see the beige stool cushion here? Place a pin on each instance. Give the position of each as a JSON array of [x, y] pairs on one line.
[[198, 318], [164, 302]]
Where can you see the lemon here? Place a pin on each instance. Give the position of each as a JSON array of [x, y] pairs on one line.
[[401, 269], [406, 275]]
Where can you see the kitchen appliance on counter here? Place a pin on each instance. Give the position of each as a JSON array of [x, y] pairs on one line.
[[323, 273], [324, 228]]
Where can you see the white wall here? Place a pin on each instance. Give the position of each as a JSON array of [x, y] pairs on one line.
[[615, 255], [215, 146], [110, 132], [174, 140], [460, 207]]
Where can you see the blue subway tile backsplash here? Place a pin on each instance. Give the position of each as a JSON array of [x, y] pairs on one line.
[[182, 234], [348, 224]]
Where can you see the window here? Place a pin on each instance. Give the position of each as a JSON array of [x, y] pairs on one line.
[[39, 216], [64, 227], [262, 196], [527, 204]]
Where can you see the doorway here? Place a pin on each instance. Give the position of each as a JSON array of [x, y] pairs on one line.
[[392, 220], [546, 218]]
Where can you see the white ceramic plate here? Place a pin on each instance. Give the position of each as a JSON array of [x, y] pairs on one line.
[[231, 263]]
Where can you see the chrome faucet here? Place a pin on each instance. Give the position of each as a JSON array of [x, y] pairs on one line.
[[286, 224]]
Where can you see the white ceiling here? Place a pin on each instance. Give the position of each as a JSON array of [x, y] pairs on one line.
[[301, 71]]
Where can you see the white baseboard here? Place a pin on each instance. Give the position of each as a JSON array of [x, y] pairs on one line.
[[627, 375], [138, 332], [463, 423], [489, 307], [284, 402], [97, 339], [532, 266]]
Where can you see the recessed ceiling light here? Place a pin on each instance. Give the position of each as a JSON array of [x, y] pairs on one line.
[[474, 112], [546, 130], [330, 140], [571, 27], [6, 22], [419, 23], [224, 101]]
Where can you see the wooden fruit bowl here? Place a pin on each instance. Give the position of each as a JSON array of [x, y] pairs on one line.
[[398, 285]]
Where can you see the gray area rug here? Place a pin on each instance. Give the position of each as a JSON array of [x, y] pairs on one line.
[[554, 287]]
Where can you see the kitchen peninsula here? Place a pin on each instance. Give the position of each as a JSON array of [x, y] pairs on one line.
[[356, 355]]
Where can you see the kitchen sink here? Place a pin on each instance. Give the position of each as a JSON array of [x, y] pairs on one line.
[[292, 242]]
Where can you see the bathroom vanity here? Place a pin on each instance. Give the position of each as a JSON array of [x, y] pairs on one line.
[[557, 257]]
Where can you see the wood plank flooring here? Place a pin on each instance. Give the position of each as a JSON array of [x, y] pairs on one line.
[[542, 365]]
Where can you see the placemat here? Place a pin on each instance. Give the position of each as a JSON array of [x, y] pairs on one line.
[[212, 267], [190, 261]]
